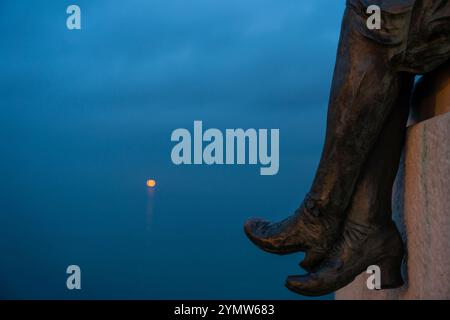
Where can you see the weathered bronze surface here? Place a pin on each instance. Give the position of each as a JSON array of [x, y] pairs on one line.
[[344, 224]]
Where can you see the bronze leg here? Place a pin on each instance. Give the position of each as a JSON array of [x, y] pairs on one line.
[[369, 236], [364, 92], [371, 201]]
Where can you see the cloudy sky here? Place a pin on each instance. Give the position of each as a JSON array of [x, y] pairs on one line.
[[86, 119]]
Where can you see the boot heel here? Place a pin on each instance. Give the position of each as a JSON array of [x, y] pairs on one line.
[[391, 275]]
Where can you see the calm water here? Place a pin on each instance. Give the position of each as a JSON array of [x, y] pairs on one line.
[[86, 118]]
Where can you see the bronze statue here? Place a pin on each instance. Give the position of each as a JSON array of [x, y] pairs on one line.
[[344, 224]]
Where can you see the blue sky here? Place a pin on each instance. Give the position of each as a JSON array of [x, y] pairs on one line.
[[86, 119]]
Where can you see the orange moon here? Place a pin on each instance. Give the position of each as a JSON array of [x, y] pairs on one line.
[[151, 183]]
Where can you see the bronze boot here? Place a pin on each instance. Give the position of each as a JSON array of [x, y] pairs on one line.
[[359, 248], [369, 237], [307, 230]]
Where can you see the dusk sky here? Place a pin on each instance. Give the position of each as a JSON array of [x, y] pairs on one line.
[[87, 117]]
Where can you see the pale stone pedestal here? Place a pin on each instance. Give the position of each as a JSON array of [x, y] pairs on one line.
[[421, 200]]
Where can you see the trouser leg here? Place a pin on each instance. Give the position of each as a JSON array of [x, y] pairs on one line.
[[371, 201], [364, 92]]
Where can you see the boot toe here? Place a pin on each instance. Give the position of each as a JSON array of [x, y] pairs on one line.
[[253, 225], [302, 284], [254, 228], [307, 285]]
